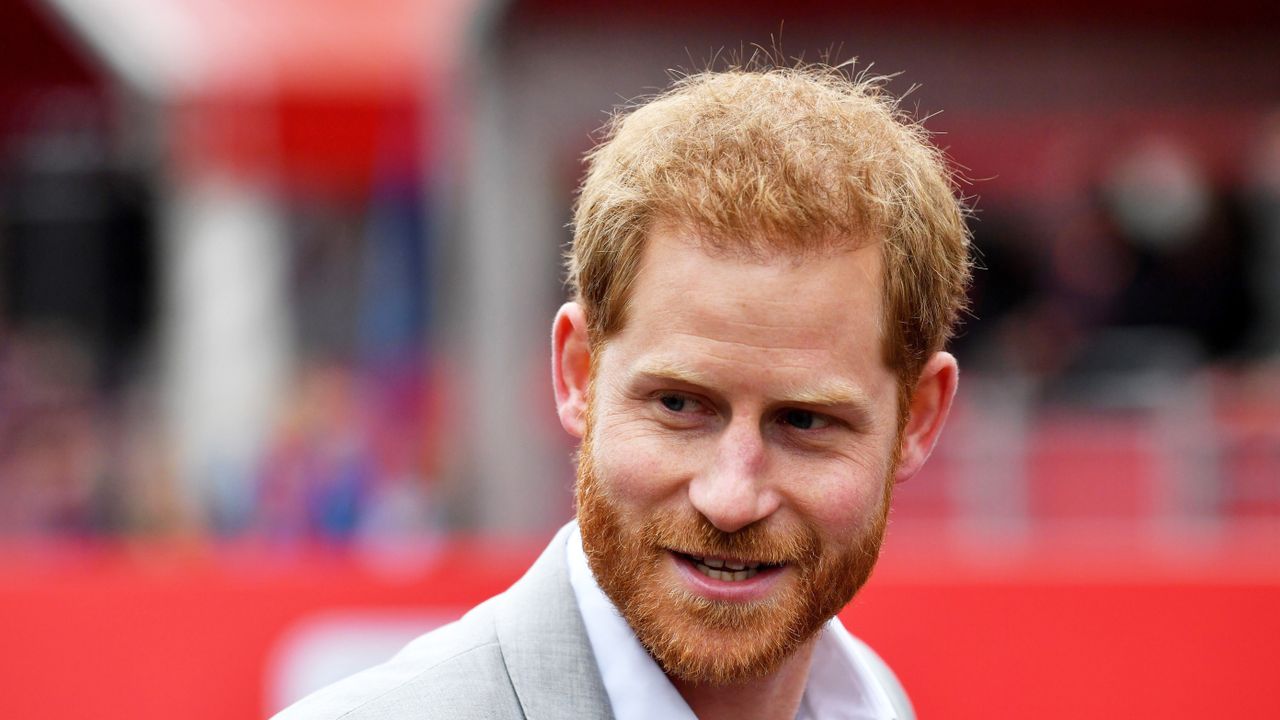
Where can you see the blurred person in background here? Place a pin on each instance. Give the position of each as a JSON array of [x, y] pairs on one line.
[[1263, 207], [51, 454], [766, 265], [1181, 259]]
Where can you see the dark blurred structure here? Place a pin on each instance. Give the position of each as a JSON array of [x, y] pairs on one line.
[[77, 283], [291, 278]]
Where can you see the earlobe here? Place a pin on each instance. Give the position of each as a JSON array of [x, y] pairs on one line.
[[930, 405], [571, 367]]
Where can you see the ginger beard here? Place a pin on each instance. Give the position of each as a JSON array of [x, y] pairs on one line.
[[704, 641]]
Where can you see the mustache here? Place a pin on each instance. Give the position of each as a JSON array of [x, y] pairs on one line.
[[759, 542]]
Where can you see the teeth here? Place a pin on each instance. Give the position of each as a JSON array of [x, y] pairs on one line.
[[727, 575], [732, 566]]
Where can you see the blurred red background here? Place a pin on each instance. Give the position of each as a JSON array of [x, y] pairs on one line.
[[331, 233], [1064, 630]]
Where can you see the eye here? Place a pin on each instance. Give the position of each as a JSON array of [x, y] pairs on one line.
[[804, 420], [678, 403]]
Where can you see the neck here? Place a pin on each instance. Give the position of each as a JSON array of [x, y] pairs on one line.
[[776, 695]]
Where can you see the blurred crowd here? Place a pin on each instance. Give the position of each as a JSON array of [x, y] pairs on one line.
[[352, 453], [87, 446], [1157, 244], [1162, 277]]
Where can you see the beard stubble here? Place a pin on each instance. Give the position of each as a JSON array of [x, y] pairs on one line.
[[702, 641]]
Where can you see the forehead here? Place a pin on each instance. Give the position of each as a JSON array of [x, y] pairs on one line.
[[818, 313]]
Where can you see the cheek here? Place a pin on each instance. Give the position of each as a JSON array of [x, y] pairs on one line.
[[847, 493], [842, 502], [639, 468]]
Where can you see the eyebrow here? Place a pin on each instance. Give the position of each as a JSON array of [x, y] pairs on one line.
[[830, 393]]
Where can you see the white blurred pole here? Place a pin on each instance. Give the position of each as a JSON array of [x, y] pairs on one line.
[[226, 338], [513, 480]]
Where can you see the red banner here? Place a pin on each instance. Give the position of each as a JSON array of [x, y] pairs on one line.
[[1067, 631]]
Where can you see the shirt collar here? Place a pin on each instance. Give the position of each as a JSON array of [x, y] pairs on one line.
[[841, 684]]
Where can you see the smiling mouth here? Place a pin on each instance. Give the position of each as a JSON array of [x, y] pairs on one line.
[[726, 570]]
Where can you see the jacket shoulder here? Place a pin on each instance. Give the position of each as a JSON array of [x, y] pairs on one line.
[[456, 671]]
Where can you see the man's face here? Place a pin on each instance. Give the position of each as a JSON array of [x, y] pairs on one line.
[[734, 477]]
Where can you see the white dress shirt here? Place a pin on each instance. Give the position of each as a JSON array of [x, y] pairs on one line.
[[840, 686]]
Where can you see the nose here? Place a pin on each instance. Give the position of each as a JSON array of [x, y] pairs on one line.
[[733, 492]]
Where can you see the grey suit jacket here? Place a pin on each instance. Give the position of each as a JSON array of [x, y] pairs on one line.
[[521, 655]]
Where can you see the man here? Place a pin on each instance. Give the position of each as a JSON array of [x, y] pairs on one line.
[[766, 266]]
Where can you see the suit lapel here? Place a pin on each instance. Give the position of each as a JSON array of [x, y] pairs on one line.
[[545, 645]]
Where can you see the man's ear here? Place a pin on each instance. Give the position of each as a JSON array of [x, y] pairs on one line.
[[930, 405], [571, 367]]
